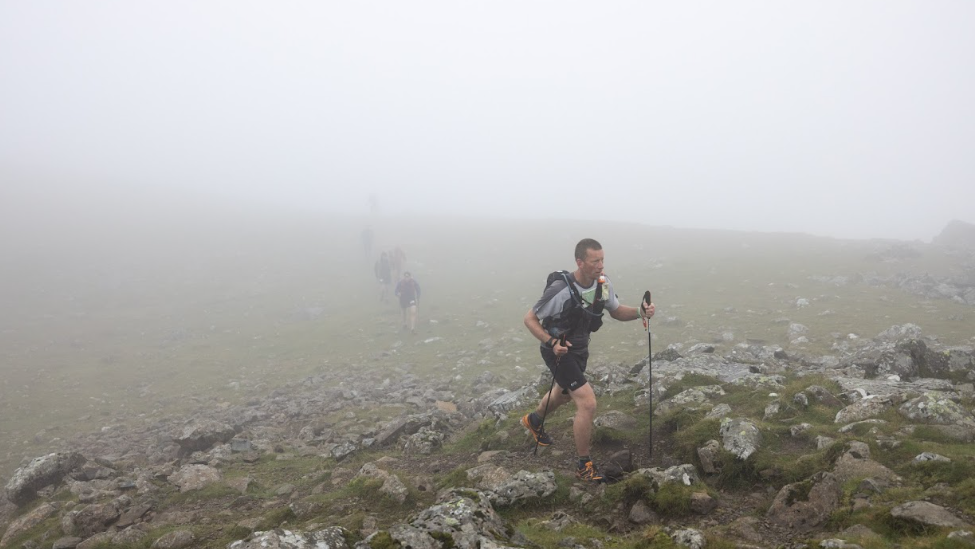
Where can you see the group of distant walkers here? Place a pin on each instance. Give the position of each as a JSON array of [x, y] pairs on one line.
[[389, 267]]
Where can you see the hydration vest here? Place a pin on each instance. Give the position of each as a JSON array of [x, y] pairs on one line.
[[575, 317]]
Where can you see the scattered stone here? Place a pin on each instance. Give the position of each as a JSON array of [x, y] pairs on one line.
[[175, 540], [928, 514], [929, 456], [641, 513]]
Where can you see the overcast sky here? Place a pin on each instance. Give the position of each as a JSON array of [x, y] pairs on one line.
[[836, 118]]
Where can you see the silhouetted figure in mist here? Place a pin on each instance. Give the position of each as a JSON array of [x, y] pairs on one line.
[[383, 275], [397, 261], [408, 291]]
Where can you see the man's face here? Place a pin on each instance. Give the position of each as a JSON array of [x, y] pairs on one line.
[[592, 265]]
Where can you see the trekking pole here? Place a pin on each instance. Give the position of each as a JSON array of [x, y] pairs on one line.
[[562, 341], [650, 392]]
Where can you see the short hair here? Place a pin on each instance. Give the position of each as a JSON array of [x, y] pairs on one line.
[[586, 244]]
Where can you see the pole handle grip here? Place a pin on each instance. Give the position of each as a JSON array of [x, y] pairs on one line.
[[647, 297]]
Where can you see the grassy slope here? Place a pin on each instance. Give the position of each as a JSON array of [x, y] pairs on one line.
[[97, 328]]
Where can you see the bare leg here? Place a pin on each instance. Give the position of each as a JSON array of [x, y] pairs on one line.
[[556, 399], [585, 401]]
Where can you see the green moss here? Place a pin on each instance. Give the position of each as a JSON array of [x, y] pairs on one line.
[[383, 540], [275, 518], [445, 539], [673, 500], [687, 382]]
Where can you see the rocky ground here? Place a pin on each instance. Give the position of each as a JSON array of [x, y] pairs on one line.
[[868, 447]]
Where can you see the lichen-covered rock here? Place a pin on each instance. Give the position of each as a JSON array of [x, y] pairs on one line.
[[41, 472], [689, 537], [693, 399], [937, 409], [740, 436], [523, 486], [865, 408], [685, 475], [328, 538], [465, 515]]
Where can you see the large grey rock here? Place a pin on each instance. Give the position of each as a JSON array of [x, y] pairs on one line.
[[937, 409], [693, 399], [523, 486], [865, 408], [466, 515], [802, 506], [641, 513], [90, 519], [202, 434], [194, 477], [330, 538], [525, 397], [740, 436], [708, 455], [685, 475], [689, 537], [928, 514], [39, 473], [615, 420], [900, 332]]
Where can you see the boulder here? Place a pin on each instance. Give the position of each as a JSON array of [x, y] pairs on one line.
[[202, 434], [740, 436], [865, 408], [928, 514], [802, 506], [937, 409], [194, 477], [523, 486], [41, 472], [331, 538]]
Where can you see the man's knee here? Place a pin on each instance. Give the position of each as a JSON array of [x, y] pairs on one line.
[[585, 400]]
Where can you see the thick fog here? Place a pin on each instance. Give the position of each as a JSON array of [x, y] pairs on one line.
[[836, 118]]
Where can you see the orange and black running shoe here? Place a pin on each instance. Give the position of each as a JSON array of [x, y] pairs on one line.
[[588, 473], [540, 435]]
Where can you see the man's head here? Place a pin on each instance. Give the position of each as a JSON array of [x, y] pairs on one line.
[[406, 274], [589, 259], [586, 244]]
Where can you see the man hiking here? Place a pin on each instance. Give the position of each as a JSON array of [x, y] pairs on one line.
[[408, 291], [562, 320]]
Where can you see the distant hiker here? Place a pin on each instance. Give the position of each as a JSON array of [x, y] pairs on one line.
[[397, 260], [382, 270], [367, 238], [408, 291], [571, 308]]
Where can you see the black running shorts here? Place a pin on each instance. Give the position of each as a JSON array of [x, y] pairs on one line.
[[569, 371]]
